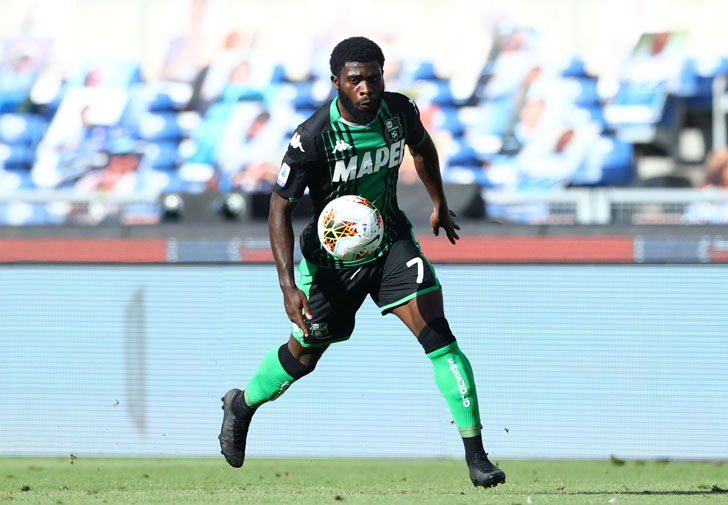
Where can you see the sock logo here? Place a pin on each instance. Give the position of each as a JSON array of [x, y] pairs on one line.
[[281, 390], [463, 388]]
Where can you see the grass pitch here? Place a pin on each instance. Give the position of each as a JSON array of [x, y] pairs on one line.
[[210, 481]]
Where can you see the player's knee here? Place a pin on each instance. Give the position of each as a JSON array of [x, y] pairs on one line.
[[435, 335], [292, 366]]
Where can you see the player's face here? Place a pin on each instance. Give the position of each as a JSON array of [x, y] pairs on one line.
[[360, 87]]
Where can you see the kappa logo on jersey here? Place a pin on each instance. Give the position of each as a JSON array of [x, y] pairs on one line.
[[283, 175], [417, 110], [341, 145], [296, 142], [370, 163], [392, 129]]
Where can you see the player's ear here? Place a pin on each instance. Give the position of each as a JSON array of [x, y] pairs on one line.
[[335, 82]]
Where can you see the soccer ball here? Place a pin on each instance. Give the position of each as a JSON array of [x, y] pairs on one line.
[[350, 228]]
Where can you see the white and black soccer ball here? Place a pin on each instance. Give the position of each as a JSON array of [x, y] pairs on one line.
[[350, 228]]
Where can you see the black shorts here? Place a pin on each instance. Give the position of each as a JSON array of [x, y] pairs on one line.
[[335, 295]]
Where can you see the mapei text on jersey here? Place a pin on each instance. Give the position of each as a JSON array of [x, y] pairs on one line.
[[389, 156]]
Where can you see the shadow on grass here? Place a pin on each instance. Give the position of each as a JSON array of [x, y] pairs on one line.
[[646, 492]]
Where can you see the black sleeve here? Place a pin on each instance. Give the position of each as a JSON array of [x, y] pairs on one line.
[[415, 129], [296, 166]]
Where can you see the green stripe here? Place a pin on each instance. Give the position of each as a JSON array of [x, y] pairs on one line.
[[473, 431], [307, 270], [353, 184], [413, 295], [334, 113], [418, 144], [390, 185]]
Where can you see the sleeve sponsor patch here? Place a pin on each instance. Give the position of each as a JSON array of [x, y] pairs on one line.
[[283, 175]]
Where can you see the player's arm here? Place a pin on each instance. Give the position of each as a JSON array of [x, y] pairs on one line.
[[427, 165], [280, 227]]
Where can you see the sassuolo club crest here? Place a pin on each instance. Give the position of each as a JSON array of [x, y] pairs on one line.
[[393, 129]]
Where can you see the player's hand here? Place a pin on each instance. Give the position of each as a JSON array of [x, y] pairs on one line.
[[296, 305], [442, 218]]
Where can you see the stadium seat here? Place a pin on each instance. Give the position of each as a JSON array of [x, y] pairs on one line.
[[461, 153], [22, 128], [241, 92], [10, 101], [278, 74], [586, 95], [612, 164], [636, 103], [596, 114], [17, 156], [449, 120], [163, 181], [162, 155], [444, 96], [14, 179], [574, 68], [699, 96], [160, 127], [424, 71], [493, 117], [169, 98]]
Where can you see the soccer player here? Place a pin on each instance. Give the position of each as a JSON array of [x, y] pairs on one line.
[[355, 145]]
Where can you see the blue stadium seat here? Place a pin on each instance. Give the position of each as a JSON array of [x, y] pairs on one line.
[[167, 99], [278, 74], [444, 96], [617, 163], [10, 101], [241, 92], [13, 179], [494, 116], [162, 155], [461, 153], [425, 71], [22, 128], [449, 120], [574, 68], [611, 163], [303, 98], [587, 95], [163, 180], [209, 131], [159, 127], [698, 95], [636, 111], [17, 157], [596, 114]]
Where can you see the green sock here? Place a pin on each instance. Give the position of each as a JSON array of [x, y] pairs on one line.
[[269, 382], [454, 378]]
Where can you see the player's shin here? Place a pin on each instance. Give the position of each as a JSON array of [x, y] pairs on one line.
[[278, 370], [454, 378]]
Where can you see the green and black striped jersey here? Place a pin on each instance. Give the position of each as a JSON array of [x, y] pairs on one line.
[[332, 157]]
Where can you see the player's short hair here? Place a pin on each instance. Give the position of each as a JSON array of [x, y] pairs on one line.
[[356, 49]]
